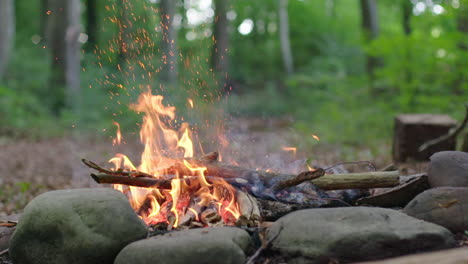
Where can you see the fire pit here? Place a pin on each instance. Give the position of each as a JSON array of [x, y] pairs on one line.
[[183, 205], [171, 188]]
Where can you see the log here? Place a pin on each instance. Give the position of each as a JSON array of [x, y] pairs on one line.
[[365, 180], [449, 136], [400, 195], [260, 184], [413, 130]]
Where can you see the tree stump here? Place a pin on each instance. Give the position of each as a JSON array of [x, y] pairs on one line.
[[413, 130]]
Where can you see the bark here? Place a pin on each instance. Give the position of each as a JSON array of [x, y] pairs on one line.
[[400, 195], [168, 43], [65, 52], [219, 55], [284, 37], [91, 24], [370, 27], [7, 29]]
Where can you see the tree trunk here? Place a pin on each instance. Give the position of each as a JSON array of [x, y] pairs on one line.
[[407, 8], [43, 21], [219, 55], [462, 26], [370, 26], [64, 33], [284, 37], [168, 43], [124, 33], [407, 11], [7, 29], [91, 24]]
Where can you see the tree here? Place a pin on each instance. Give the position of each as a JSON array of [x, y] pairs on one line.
[[168, 43], [219, 55], [7, 28], [65, 52], [370, 26], [284, 37], [43, 19], [91, 24], [407, 10]]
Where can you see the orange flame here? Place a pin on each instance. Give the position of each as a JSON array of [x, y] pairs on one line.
[[162, 140], [291, 149], [118, 139], [190, 101]]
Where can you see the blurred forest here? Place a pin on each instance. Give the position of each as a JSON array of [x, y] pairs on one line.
[[341, 69]]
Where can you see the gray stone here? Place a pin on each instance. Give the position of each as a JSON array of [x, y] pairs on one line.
[[445, 206], [196, 246], [450, 256], [352, 234], [448, 168], [75, 226]]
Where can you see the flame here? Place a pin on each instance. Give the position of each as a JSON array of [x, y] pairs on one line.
[[162, 138], [316, 137], [291, 149], [190, 101], [118, 139]]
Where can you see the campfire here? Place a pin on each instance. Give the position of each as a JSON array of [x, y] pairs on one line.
[[172, 188]]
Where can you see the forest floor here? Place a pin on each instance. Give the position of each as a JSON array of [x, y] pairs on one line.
[[29, 168]]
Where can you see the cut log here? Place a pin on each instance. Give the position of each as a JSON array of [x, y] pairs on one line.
[[451, 135], [413, 130]]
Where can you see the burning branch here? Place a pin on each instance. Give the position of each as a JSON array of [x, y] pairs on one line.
[[245, 178]]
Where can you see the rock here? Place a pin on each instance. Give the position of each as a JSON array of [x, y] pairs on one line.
[[6, 232], [445, 206], [204, 245], [75, 226], [448, 168], [351, 234], [451, 256]]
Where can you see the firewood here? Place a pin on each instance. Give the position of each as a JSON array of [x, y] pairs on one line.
[[363, 180], [249, 210], [210, 217], [400, 195], [241, 177]]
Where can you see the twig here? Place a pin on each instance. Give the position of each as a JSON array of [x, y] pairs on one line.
[[450, 135], [302, 177], [265, 245], [118, 172], [159, 183], [8, 223], [145, 182], [3, 252]]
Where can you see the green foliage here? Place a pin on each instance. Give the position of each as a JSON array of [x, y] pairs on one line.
[[329, 94]]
